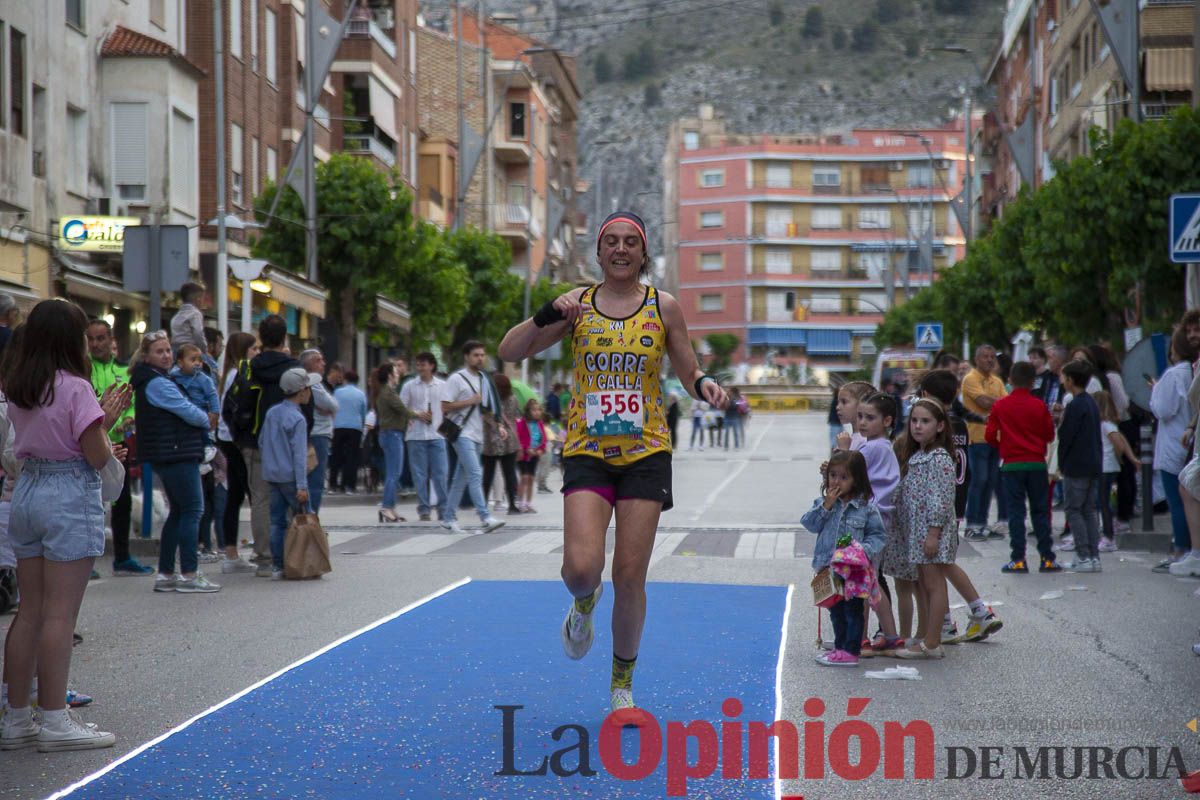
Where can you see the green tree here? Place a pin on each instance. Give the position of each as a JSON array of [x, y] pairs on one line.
[[775, 14], [603, 68], [433, 285], [839, 38], [652, 96], [639, 62], [887, 11], [814, 23], [494, 292], [721, 345], [365, 233], [912, 45]]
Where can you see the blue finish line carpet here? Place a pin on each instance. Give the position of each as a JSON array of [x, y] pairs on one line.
[[406, 709]]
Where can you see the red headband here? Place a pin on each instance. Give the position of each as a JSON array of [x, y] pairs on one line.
[[636, 223]]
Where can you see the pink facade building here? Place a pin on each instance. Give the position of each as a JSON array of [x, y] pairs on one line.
[[798, 244]]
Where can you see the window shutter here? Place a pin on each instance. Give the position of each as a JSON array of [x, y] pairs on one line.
[[129, 143]]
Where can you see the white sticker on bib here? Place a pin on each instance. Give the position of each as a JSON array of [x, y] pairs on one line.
[[614, 413]]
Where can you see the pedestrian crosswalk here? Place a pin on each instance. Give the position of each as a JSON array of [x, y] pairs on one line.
[[737, 543]]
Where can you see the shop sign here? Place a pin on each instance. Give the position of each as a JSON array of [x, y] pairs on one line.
[[94, 234]]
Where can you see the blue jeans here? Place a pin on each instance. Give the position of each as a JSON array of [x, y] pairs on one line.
[[391, 440], [181, 482], [733, 430], [1033, 485], [468, 475], [283, 505], [316, 478], [984, 461], [847, 618], [428, 460], [1179, 526]]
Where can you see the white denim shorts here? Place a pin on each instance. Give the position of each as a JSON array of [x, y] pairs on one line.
[[1189, 478], [57, 512]]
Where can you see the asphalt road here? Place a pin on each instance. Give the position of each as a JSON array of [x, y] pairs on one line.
[[1106, 664]]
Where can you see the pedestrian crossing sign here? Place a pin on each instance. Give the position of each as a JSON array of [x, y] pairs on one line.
[[928, 336], [1185, 228]]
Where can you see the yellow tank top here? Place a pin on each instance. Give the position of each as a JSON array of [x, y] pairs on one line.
[[616, 411]]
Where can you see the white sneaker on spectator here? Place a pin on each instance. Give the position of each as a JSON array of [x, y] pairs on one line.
[[1187, 567], [72, 734], [18, 730], [231, 565], [491, 524], [452, 526]]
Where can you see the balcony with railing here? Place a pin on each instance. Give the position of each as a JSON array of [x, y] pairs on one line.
[[370, 142], [514, 223], [368, 29]]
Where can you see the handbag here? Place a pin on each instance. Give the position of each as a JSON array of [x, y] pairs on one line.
[[451, 430], [826, 588], [306, 548], [112, 480]]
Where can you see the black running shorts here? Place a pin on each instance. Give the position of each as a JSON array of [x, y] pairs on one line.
[[647, 478]]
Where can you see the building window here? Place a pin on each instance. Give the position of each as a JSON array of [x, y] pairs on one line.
[[779, 260], [235, 163], [712, 302], [871, 303], [711, 262], [183, 161], [825, 258], [130, 143], [827, 177], [712, 219], [920, 176], [272, 164], [75, 13], [269, 43], [255, 188], [873, 264], [826, 217], [781, 306], [780, 221], [16, 71], [235, 28], [779, 176], [516, 120], [254, 35], [158, 13], [76, 155], [712, 177], [874, 217], [918, 219], [825, 303], [691, 140]]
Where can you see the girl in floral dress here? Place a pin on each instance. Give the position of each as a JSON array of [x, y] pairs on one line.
[[925, 514]]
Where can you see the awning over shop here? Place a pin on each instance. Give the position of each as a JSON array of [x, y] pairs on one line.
[[292, 290], [392, 314], [84, 279], [1169, 69], [777, 337]]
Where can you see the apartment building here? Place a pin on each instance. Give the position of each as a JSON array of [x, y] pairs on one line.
[[798, 244], [367, 107], [1056, 79], [98, 124], [520, 102]]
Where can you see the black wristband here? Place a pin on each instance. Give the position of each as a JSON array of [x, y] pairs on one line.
[[547, 315], [699, 381]]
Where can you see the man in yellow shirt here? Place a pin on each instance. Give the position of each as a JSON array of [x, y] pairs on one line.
[[981, 388]]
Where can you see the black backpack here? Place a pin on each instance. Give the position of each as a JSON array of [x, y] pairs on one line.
[[239, 408]]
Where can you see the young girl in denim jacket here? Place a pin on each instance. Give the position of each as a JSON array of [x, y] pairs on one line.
[[845, 507]]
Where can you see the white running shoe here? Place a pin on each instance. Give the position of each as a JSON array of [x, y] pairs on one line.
[[18, 731], [577, 630], [74, 735], [622, 699], [197, 585], [452, 526], [232, 565], [491, 524], [1187, 567]]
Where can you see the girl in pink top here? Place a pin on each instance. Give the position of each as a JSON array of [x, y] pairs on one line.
[[531, 434], [57, 522]]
